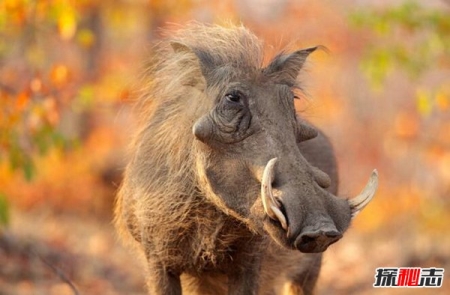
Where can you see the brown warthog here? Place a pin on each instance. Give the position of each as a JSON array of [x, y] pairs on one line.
[[228, 190]]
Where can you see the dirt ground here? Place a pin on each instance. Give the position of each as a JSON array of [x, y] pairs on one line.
[[45, 253]]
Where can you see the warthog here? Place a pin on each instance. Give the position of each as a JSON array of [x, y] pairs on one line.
[[228, 190]]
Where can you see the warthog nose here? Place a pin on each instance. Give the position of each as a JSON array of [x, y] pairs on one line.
[[318, 241]]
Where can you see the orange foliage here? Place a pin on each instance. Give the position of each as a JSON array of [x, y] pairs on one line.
[[62, 92], [406, 125], [66, 88]]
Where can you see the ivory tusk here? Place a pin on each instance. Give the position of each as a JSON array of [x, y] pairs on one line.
[[360, 201], [270, 204]]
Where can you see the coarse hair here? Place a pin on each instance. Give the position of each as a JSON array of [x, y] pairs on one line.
[[163, 152]]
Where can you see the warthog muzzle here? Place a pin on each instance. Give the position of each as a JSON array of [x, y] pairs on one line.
[[318, 228], [316, 241]]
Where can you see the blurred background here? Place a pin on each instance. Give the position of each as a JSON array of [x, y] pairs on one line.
[[69, 71]]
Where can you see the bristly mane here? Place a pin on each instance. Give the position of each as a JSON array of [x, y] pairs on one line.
[[163, 164], [170, 69], [174, 96]]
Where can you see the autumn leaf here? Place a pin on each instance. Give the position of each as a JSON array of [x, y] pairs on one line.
[[59, 74], [443, 100], [86, 38], [22, 100], [67, 23], [406, 125], [4, 210], [423, 103]]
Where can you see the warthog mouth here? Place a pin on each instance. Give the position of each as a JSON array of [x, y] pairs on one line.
[[316, 237]]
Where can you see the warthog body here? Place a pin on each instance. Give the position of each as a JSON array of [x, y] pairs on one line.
[[228, 191]]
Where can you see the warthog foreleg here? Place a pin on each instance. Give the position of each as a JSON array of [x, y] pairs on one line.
[[161, 281], [304, 279], [244, 282]]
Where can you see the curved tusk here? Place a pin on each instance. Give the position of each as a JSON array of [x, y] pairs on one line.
[[271, 205], [360, 201], [267, 179], [279, 216]]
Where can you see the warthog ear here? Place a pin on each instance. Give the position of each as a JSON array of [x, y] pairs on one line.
[[305, 131], [204, 65], [205, 60], [284, 68], [179, 47]]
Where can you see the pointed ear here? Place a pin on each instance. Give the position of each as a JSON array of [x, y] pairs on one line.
[[205, 60], [284, 68], [179, 47]]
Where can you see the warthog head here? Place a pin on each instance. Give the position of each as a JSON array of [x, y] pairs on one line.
[[249, 162]]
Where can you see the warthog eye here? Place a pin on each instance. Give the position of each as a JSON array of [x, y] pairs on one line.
[[234, 96]]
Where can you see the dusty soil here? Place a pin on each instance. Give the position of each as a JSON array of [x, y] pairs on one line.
[[47, 253]]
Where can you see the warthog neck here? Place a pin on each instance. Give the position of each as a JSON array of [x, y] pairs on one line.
[[206, 240]]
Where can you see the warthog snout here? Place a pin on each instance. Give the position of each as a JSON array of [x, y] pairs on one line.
[[316, 241], [311, 223]]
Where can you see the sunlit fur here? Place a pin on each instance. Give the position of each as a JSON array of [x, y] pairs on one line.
[[162, 197], [166, 110]]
